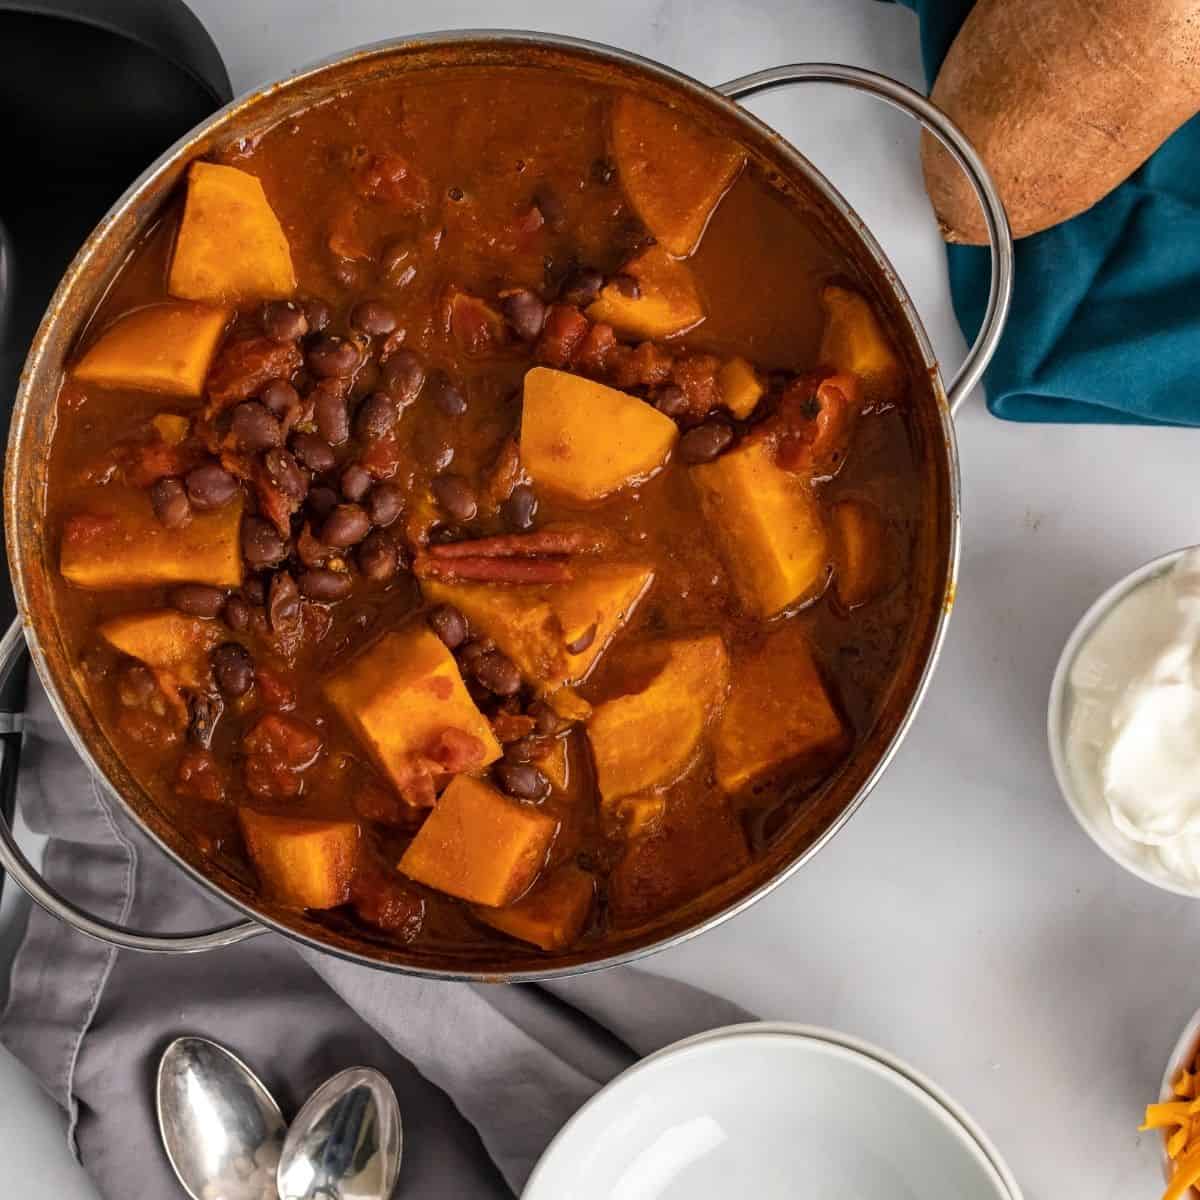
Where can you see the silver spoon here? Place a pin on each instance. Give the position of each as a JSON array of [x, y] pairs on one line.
[[221, 1128], [345, 1143]]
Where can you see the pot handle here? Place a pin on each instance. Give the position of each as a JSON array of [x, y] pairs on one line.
[[900, 96], [12, 650]]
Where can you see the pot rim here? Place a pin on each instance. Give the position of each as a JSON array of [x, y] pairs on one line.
[[179, 152]]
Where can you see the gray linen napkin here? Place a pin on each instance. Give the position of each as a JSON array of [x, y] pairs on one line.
[[486, 1074]]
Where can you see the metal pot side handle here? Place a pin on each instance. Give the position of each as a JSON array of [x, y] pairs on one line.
[[1000, 241], [12, 647]]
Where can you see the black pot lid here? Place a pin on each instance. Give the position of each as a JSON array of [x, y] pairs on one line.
[[92, 91]]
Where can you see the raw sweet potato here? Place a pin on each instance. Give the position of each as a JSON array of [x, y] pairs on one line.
[[666, 301], [230, 245], [1064, 100], [300, 862], [673, 172], [159, 348], [587, 440], [480, 845]]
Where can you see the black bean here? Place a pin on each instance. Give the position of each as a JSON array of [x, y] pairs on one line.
[[284, 321], [394, 258], [525, 312], [604, 171], [317, 313], [449, 400], [456, 496], [237, 613], [376, 415], [346, 526], [627, 286], [472, 653], [449, 624], [171, 505], [402, 375], [548, 721], [377, 557], [210, 486], [431, 448], [351, 273], [322, 501], [283, 604], [672, 402], [384, 504], [331, 356], [203, 714], [498, 673], [520, 508], [329, 412], [279, 397], [551, 207], [254, 428], [522, 780], [705, 442], [325, 585], [233, 668], [372, 317], [255, 590], [315, 453], [523, 750], [286, 474], [582, 286], [197, 599], [261, 544], [583, 641], [355, 482]]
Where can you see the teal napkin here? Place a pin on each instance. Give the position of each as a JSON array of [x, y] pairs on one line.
[[1105, 324]]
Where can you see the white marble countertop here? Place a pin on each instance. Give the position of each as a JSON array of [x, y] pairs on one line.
[[961, 920]]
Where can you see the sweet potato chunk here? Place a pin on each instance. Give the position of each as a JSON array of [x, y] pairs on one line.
[[647, 739], [740, 387], [673, 172], [174, 646], [479, 845], [635, 815], [118, 542], [770, 527], [230, 245], [300, 862], [160, 348], [401, 696], [552, 915], [667, 302], [535, 625], [859, 549], [555, 764], [587, 440], [778, 714], [172, 428], [855, 342], [694, 850]]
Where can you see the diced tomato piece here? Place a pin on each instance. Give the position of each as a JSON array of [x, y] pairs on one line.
[[696, 376], [476, 327], [508, 727], [242, 367], [291, 741], [595, 349], [814, 423], [455, 750], [562, 335], [388, 901], [381, 456], [274, 691], [390, 179], [647, 366], [199, 778], [149, 462]]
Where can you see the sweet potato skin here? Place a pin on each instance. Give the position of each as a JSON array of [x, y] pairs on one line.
[[1064, 100]]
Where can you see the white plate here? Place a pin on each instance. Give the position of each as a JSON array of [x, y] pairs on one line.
[[766, 1112]]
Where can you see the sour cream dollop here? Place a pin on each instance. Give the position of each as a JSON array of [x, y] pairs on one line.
[[1133, 734]]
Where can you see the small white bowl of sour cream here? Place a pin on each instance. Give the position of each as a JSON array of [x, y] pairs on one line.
[[1125, 696]]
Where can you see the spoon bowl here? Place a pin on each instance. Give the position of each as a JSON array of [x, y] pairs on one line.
[[221, 1128], [345, 1143]]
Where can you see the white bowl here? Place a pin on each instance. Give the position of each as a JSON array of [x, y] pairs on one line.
[[770, 1111], [1184, 1054], [1090, 810]]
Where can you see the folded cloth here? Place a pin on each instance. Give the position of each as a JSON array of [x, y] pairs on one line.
[[1105, 324], [485, 1074]]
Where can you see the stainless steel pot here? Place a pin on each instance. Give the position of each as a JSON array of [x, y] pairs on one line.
[[31, 548]]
